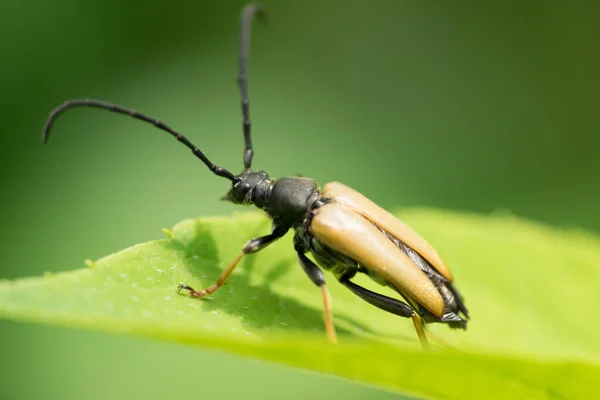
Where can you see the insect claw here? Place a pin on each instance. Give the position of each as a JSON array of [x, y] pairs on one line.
[[192, 292], [184, 287]]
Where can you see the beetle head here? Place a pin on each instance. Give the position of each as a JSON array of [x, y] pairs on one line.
[[244, 185]]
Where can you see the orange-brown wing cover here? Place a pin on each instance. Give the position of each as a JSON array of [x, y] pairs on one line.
[[362, 205], [342, 229]]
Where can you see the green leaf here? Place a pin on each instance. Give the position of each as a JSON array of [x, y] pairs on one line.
[[532, 291]]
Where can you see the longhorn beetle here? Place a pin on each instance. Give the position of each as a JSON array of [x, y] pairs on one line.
[[346, 233]]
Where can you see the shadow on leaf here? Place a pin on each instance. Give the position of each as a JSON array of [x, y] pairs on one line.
[[257, 304]]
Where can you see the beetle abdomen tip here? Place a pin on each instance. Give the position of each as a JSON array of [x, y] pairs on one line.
[[454, 321]]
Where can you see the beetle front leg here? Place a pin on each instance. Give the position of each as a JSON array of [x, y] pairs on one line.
[[252, 246], [390, 305], [316, 275]]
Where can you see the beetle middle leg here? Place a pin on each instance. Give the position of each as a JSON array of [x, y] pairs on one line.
[[252, 246], [316, 275], [390, 305]]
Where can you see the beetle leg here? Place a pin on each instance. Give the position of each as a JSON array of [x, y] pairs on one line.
[[252, 246], [316, 275], [389, 304], [420, 328]]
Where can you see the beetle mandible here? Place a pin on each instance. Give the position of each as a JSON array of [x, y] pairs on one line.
[[346, 233]]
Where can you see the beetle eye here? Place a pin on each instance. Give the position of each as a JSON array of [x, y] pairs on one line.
[[237, 194], [240, 190]]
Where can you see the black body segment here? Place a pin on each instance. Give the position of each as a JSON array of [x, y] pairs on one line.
[[345, 232], [250, 187], [290, 199]]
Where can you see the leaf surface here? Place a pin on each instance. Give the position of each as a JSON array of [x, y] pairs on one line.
[[532, 292]]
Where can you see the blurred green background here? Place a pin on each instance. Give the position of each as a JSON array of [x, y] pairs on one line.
[[462, 106]]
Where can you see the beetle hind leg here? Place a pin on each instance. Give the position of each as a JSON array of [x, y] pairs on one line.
[[390, 305]]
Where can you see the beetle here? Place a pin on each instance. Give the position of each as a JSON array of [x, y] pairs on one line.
[[345, 232]]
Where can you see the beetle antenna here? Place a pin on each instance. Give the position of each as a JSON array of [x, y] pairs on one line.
[[248, 14], [120, 110]]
